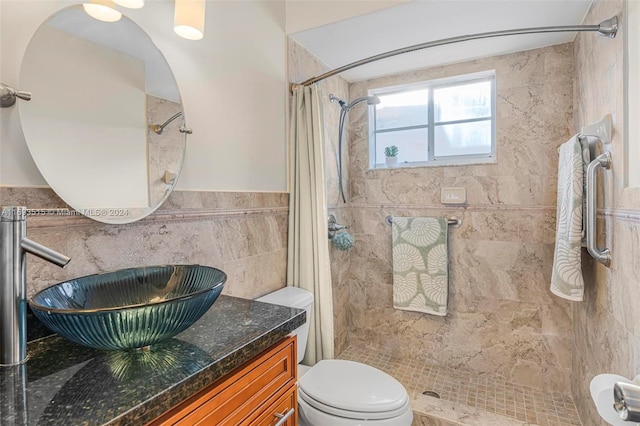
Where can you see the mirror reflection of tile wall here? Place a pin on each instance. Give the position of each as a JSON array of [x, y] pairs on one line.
[[164, 151]]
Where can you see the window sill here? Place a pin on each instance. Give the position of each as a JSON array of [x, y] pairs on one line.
[[441, 163]]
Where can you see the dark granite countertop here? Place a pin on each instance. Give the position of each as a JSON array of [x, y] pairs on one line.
[[66, 384]]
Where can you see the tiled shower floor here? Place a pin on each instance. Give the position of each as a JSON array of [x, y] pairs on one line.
[[488, 393]]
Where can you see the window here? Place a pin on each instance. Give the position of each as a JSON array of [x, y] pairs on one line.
[[439, 122]]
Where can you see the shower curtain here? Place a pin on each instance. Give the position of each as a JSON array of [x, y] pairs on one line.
[[308, 250]]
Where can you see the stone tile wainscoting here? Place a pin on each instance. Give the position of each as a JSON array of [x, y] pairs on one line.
[[243, 234]]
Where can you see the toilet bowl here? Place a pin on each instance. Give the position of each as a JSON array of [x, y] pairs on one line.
[[340, 392]]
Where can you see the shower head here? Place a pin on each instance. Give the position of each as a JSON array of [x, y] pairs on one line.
[[159, 128], [371, 100], [340, 102]]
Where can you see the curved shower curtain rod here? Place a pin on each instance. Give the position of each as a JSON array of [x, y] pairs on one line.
[[606, 28]]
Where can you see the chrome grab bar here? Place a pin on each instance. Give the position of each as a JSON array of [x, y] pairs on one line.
[[603, 256]]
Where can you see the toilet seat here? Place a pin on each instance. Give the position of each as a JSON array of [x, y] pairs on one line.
[[353, 390], [350, 414]]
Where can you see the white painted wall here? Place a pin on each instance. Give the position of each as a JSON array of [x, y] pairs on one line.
[[233, 85]]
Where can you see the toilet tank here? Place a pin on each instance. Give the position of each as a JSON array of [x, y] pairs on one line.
[[294, 297]]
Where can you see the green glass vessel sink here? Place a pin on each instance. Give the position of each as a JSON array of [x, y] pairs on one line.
[[129, 308]]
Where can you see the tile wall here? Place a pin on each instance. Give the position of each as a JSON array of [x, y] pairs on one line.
[[244, 234], [165, 152], [606, 326], [502, 317]]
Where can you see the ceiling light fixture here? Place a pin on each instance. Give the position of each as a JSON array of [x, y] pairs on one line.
[[131, 4], [189, 19], [102, 10]]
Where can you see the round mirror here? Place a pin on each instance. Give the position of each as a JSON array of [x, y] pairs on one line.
[[105, 125]]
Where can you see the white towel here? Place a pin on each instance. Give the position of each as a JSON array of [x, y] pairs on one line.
[[420, 265], [586, 159], [566, 275]]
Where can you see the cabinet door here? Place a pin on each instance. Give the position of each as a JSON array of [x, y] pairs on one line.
[[283, 412], [235, 398]]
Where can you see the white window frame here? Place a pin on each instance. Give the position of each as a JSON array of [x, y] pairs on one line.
[[432, 160]]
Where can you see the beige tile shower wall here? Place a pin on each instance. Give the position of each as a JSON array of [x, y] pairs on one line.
[[301, 66], [244, 234], [606, 329], [503, 318]]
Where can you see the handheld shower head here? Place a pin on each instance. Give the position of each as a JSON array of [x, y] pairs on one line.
[[344, 109]]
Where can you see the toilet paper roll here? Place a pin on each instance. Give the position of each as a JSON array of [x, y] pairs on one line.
[[601, 388], [605, 381]]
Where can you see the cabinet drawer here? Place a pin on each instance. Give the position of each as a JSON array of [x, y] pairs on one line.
[[285, 406], [232, 399]]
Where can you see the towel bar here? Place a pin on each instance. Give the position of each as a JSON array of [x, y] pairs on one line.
[[603, 256], [454, 221]]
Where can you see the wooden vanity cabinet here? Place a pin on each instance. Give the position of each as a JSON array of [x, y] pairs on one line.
[[261, 392]]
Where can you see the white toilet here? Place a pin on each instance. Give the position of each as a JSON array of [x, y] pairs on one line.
[[338, 392]]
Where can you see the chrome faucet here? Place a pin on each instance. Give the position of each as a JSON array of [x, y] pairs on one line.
[[14, 246]]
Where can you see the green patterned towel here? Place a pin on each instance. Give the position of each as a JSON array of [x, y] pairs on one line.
[[420, 264]]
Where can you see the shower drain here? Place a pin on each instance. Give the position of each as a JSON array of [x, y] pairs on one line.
[[431, 393]]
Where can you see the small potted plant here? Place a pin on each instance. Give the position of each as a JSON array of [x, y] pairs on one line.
[[391, 155]]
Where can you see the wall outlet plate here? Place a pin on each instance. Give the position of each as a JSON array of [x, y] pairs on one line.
[[453, 195]]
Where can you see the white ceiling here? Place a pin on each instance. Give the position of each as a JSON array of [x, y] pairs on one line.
[[306, 14], [422, 21]]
